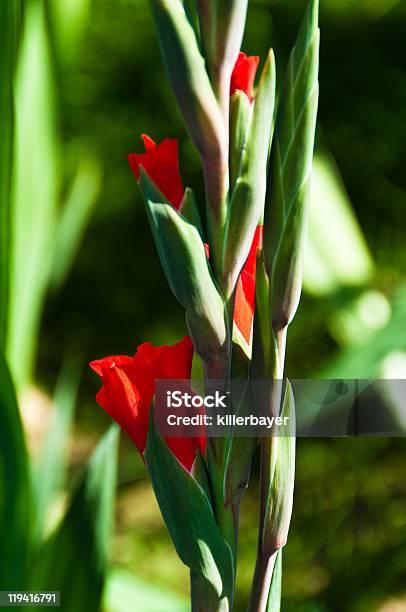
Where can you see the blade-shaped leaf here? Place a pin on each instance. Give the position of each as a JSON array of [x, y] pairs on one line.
[[291, 164], [187, 74], [190, 210], [247, 203], [10, 13], [123, 588], [50, 469], [15, 493], [34, 192], [184, 261], [190, 520], [239, 456], [74, 560], [74, 218]]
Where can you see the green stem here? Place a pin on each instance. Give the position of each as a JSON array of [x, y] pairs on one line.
[[265, 561], [217, 450], [262, 579]]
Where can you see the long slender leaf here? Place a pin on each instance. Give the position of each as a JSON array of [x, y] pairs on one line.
[[290, 171], [183, 258], [73, 220], [190, 520], [74, 560], [34, 192], [50, 469], [15, 491], [247, 203], [9, 30]]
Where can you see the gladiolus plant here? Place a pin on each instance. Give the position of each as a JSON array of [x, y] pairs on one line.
[[237, 276]]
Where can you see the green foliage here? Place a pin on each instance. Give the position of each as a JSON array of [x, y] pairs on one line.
[[188, 76], [290, 172], [15, 488], [222, 24], [189, 518], [10, 18], [49, 470], [74, 217], [190, 210], [279, 501], [34, 201], [184, 261], [247, 202], [39, 238], [240, 119], [88, 521]]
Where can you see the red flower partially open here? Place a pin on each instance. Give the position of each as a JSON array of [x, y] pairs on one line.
[[161, 163], [244, 305], [243, 75], [129, 386]]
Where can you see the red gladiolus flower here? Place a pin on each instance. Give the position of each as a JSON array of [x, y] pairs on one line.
[[161, 163], [243, 75], [245, 292], [129, 386]]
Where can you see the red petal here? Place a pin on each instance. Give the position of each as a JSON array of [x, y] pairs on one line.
[[129, 386], [121, 399], [245, 293], [149, 144], [243, 75], [161, 163]]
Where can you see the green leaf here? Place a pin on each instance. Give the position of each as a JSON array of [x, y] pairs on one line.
[[247, 203], [264, 346], [184, 261], [123, 589], [239, 456], [189, 518], [75, 559], [287, 272], [290, 168], [10, 17], [15, 493], [188, 77], [222, 24], [35, 192], [240, 119], [68, 20], [74, 218], [280, 496], [190, 210], [50, 468], [275, 590], [336, 253]]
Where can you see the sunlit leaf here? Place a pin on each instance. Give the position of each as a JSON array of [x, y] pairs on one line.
[[87, 526], [34, 192]]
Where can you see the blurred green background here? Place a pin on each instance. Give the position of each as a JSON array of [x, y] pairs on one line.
[[103, 84]]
